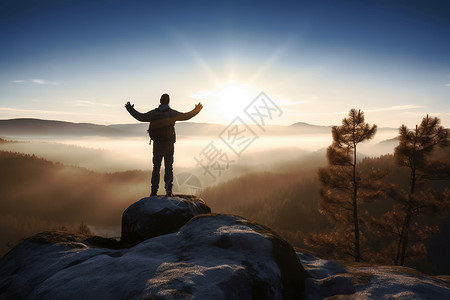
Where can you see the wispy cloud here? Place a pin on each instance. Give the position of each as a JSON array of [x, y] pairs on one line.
[[44, 82], [30, 113], [448, 84], [283, 102], [37, 81], [84, 103], [381, 109], [87, 103], [422, 114], [296, 113], [395, 108], [34, 111], [111, 105]]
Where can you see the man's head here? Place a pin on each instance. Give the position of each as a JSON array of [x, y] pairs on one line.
[[165, 99]]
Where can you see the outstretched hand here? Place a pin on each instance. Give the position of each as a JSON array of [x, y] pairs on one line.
[[129, 105], [198, 106]]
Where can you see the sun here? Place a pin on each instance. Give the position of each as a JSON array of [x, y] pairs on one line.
[[230, 100]]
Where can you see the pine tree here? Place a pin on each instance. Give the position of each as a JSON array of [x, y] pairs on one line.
[[414, 148], [342, 183]]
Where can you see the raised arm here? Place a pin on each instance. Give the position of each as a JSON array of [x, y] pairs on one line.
[[137, 115], [186, 116]]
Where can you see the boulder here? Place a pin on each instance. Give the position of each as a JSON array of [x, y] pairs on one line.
[[210, 257], [158, 215]]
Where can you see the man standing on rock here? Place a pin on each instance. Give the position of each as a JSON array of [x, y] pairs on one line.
[[162, 132]]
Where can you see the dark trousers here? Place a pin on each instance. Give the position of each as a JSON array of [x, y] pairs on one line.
[[162, 150]]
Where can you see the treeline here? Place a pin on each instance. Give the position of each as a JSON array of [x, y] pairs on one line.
[[38, 195]]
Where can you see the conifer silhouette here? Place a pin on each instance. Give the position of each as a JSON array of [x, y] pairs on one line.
[[341, 181], [414, 148]]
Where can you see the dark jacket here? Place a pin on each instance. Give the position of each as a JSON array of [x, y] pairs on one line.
[[172, 116]]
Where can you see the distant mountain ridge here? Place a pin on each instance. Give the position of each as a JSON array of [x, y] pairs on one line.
[[26, 127], [303, 124], [40, 127]]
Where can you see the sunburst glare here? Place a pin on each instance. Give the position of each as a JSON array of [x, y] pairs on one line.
[[227, 100]]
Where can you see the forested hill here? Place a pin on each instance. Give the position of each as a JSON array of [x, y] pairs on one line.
[[37, 195]]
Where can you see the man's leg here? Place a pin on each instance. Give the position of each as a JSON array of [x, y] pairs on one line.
[[157, 159], [168, 168]]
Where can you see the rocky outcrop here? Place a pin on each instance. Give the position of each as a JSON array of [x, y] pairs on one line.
[[210, 257], [158, 215], [327, 279]]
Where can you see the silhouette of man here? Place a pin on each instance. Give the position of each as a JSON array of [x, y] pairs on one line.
[[162, 132]]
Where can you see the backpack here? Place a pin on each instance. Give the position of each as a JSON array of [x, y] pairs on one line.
[[161, 127]]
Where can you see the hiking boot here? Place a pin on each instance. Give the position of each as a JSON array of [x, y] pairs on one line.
[[153, 193], [169, 194]]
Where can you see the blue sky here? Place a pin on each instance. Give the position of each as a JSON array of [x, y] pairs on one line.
[[80, 61]]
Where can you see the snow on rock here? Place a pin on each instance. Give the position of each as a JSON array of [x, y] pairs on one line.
[[210, 257], [327, 278], [158, 215], [324, 278]]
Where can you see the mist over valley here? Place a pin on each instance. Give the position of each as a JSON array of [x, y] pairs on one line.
[[60, 179], [99, 165]]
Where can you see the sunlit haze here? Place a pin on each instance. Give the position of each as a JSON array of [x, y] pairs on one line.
[[81, 61]]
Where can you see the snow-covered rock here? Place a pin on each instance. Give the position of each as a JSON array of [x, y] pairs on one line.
[[327, 278], [210, 257], [158, 215]]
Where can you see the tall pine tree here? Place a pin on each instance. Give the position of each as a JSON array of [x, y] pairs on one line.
[[342, 183], [414, 148]]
